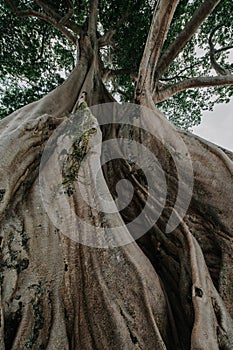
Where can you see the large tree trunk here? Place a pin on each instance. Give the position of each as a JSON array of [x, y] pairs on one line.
[[165, 291]]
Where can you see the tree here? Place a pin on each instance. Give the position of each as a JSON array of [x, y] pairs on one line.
[[164, 290], [32, 65]]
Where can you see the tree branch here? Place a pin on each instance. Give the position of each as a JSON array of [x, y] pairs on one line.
[[189, 30], [42, 44], [225, 48], [161, 20], [51, 12], [107, 37], [69, 14], [110, 73], [61, 28], [32, 13], [197, 82], [11, 5], [67, 17], [199, 61], [93, 14], [123, 93], [117, 89], [218, 69], [59, 19]]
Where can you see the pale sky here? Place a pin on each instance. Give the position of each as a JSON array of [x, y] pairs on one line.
[[217, 126]]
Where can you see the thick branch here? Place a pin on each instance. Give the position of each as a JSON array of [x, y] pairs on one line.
[[198, 82], [32, 13], [51, 12], [59, 19], [189, 30], [110, 73], [60, 27], [218, 69], [93, 14], [162, 17]]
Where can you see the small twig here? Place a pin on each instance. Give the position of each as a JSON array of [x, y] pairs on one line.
[[178, 76]]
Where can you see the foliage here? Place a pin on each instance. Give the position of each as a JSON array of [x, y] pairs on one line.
[[185, 108], [36, 57]]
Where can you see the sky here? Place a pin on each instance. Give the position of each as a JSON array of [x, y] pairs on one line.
[[217, 126]]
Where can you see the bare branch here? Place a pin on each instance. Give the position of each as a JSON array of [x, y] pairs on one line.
[[32, 13], [218, 69], [189, 30], [67, 17], [162, 17], [225, 48], [197, 82]]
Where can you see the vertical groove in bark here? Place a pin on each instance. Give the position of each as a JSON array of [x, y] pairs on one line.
[[62, 295], [58, 294]]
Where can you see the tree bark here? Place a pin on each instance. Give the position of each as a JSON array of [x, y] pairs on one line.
[[57, 294], [168, 91], [164, 291], [185, 35]]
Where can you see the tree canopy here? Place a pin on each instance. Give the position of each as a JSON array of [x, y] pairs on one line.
[[39, 50]]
